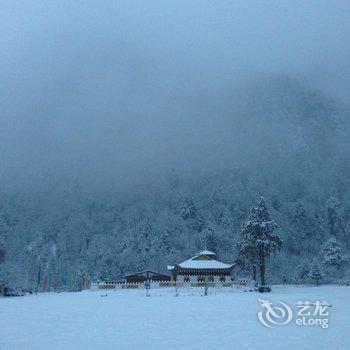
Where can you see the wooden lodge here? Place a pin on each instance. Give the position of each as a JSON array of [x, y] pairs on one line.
[[200, 269]]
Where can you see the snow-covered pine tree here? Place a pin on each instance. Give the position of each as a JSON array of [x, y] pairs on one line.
[[316, 273], [160, 250], [303, 271], [247, 258], [300, 217], [187, 208], [335, 216], [210, 239], [258, 239], [333, 256]]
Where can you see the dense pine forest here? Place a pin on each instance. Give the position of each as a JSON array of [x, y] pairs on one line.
[[276, 138]]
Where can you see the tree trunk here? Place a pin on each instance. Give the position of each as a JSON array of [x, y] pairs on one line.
[[262, 266], [254, 272], [45, 284], [38, 280]]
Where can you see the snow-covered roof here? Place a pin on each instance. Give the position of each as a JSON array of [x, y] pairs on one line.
[[206, 252], [202, 263]]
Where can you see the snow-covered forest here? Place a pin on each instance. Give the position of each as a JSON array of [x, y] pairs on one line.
[[300, 166], [134, 136]]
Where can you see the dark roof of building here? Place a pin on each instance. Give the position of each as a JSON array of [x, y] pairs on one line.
[[145, 273]]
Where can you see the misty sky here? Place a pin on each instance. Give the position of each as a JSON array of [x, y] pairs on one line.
[[123, 89]]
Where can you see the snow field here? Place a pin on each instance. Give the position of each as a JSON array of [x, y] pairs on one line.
[[127, 319]]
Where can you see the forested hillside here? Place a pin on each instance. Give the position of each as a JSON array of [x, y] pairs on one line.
[[276, 138]]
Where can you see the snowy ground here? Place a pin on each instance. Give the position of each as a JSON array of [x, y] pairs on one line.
[[127, 319]]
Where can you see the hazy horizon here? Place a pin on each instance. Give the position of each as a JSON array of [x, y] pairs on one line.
[[116, 92]]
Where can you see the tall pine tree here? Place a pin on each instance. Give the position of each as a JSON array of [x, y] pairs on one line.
[[258, 239]]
